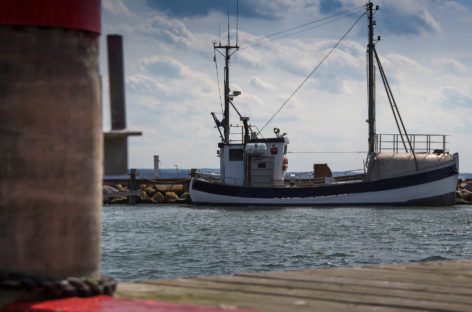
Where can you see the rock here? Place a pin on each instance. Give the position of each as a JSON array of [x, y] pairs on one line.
[[150, 191], [461, 201], [163, 187], [185, 196], [158, 197], [145, 199], [107, 189], [463, 196], [122, 188], [468, 186], [177, 188], [467, 195], [170, 197]]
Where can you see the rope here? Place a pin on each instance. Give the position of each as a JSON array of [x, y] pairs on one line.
[[317, 66], [57, 287]]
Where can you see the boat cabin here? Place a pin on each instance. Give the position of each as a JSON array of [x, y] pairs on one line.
[[259, 162]]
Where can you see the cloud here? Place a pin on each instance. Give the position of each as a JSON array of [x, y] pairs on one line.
[[165, 28], [452, 97], [162, 66], [265, 9], [261, 84], [171, 85], [117, 8], [330, 6], [142, 84], [398, 23], [450, 65]]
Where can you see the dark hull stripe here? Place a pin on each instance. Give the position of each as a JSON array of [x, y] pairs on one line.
[[325, 190], [448, 199]]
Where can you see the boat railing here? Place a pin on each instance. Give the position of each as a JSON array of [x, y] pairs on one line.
[[420, 143]]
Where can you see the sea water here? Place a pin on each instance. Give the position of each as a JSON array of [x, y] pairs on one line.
[[173, 241]]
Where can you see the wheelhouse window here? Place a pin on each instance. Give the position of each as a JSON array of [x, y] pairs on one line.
[[236, 154]]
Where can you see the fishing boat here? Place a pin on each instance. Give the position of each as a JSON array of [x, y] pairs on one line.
[[400, 169]]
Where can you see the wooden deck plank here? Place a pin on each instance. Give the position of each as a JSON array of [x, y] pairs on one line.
[[237, 300], [455, 267], [344, 297], [339, 287], [375, 274], [432, 286]]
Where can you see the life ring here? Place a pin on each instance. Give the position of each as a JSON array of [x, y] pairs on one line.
[[285, 164]]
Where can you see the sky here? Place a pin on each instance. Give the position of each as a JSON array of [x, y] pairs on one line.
[[172, 85]]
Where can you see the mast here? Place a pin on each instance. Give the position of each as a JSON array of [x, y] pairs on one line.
[[227, 55], [226, 113], [371, 79]]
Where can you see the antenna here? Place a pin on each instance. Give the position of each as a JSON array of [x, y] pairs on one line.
[[219, 35], [228, 97], [227, 6], [237, 20]]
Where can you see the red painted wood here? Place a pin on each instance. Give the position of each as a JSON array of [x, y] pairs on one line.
[[71, 14], [108, 304]]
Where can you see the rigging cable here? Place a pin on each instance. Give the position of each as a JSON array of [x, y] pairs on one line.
[[218, 79], [317, 66], [394, 105], [359, 152], [344, 13], [299, 31]]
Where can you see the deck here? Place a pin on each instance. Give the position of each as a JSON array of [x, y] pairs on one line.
[[427, 286]]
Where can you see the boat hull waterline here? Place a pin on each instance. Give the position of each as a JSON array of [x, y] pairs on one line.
[[433, 187]]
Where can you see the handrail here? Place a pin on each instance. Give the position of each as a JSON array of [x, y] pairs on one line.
[[420, 143]]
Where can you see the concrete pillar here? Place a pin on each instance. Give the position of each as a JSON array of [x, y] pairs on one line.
[[156, 166], [116, 79], [116, 140], [50, 138]]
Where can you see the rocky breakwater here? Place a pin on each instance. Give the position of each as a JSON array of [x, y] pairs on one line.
[[147, 194], [464, 191]]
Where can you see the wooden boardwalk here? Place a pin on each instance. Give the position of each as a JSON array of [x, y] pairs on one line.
[[427, 286]]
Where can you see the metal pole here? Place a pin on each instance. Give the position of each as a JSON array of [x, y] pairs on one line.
[[226, 86], [132, 186], [156, 166], [370, 51]]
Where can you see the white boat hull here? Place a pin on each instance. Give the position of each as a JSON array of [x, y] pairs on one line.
[[435, 187]]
